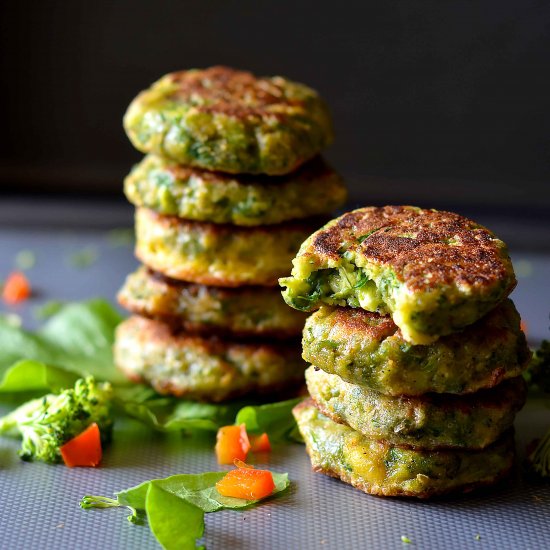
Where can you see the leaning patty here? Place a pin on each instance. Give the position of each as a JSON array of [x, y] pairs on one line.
[[430, 421], [379, 468], [196, 194], [221, 255], [231, 121], [434, 272], [196, 367], [368, 349], [246, 311]]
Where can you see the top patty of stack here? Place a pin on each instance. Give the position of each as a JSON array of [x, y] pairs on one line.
[[230, 121], [435, 272]]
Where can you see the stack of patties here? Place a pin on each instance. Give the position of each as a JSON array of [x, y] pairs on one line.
[[417, 352], [230, 187]]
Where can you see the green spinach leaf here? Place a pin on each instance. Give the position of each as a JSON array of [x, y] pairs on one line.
[[273, 418], [78, 338], [30, 376], [176, 523]]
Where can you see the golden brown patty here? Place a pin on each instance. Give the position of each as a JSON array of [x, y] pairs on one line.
[[221, 255], [368, 349], [243, 312], [434, 272], [379, 468], [231, 121], [195, 194], [208, 369]]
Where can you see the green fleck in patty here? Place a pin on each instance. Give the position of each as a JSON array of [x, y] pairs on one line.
[[434, 272], [245, 200], [230, 121]]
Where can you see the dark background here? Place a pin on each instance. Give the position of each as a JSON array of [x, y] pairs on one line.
[[434, 102]]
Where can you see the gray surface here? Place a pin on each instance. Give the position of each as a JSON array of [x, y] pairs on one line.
[[40, 503]]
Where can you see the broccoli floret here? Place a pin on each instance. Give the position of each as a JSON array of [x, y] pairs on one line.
[[45, 424], [537, 374]]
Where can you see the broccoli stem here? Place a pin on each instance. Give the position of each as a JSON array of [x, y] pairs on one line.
[[91, 501]]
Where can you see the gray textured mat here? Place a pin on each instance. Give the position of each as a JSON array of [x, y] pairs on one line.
[[39, 503]]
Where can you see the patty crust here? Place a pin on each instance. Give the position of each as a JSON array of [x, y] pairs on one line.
[[379, 468], [202, 368], [369, 349], [220, 255], [242, 312], [430, 421], [435, 272], [194, 194], [230, 121]]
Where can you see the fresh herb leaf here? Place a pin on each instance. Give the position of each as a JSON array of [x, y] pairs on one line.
[[197, 489], [176, 523], [273, 418], [34, 376], [25, 259], [169, 414], [79, 338]]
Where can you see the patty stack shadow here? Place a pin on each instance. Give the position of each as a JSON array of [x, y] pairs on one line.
[[230, 187], [416, 351]]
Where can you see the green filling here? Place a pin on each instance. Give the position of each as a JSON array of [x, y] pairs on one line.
[[422, 317]]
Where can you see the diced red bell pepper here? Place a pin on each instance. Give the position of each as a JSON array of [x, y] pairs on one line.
[[84, 449], [247, 483], [232, 443]]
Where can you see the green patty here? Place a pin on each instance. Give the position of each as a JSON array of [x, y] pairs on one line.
[[380, 468], [230, 121], [428, 422], [207, 369], [434, 272], [368, 349], [195, 194], [221, 255], [248, 311]]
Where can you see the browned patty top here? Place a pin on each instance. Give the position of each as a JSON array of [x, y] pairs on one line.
[[234, 93], [425, 248]]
